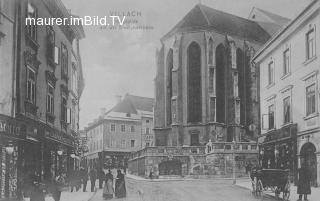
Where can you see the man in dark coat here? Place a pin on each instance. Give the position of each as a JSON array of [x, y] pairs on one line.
[[101, 177], [304, 179], [84, 178], [93, 178]]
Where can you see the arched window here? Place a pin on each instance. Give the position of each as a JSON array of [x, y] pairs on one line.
[[220, 83], [169, 85], [210, 56], [241, 73], [194, 83]]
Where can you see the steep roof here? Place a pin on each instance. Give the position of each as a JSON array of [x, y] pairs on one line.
[[205, 18], [131, 104], [280, 20]]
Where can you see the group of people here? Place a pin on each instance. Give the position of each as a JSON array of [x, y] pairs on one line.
[[109, 189], [120, 186]]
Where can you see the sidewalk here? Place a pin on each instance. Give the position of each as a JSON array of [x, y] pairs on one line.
[[74, 196], [315, 192]]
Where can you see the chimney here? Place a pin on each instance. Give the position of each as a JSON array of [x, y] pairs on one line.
[[118, 98]]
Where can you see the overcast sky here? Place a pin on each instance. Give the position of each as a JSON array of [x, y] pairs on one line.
[[116, 62]]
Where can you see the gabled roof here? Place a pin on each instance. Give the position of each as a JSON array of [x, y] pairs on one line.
[[205, 18], [280, 20], [131, 104]]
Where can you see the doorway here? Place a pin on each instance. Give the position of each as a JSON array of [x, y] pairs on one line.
[[309, 160]]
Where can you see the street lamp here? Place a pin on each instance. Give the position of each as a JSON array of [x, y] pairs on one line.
[[59, 152], [234, 162], [10, 148]]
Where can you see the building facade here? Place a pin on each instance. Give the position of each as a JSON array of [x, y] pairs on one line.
[[41, 84], [206, 90], [126, 128], [289, 86]]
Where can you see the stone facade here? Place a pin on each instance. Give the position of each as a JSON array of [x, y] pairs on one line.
[[295, 78], [228, 99]]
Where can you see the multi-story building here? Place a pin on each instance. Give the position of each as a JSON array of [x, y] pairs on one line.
[[206, 91], [126, 128], [289, 95], [41, 84]]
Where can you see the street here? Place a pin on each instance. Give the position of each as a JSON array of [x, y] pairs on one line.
[[190, 190]]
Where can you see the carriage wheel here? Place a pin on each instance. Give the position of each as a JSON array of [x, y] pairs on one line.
[[286, 191]]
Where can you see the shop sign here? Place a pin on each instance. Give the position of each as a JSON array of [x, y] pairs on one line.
[[9, 128], [57, 136], [289, 131]]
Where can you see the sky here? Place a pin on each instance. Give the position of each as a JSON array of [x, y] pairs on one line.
[[116, 62]]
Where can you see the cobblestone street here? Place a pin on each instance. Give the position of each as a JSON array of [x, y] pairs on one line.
[[188, 190]]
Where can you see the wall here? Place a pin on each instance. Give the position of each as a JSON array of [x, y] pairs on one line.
[[6, 57]]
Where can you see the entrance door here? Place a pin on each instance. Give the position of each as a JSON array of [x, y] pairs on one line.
[[309, 159], [172, 167]]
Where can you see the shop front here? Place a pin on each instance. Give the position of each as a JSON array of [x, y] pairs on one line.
[[279, 149], [12, 136], [58, 153]]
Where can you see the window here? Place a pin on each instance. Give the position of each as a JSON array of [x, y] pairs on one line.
[[73, 116], [235, 84], [32, 28], [210, 51], [123, 128], [64, 109], [132, 143], [147, 130], [31, 85], [271, 116], [148, 144], [194, 100], [113, 127], [212, 108], [74, 79], [310, 43], [132, 129], [211, 80], [50, 44], [123, 144], [310, 99], [147, 121], [286, 110], [286, 62], [271, 73], [50, 99], [64, 59], [56, 55]]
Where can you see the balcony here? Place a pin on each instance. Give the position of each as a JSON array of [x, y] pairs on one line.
[[230, 147], [169, 151]]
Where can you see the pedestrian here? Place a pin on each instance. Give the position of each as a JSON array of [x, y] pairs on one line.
[[304, 179], [93, 178], [151, 175], [120, 191], [60, 183], [84, 178], [78, 180], [101, 177], [73, 177], [108, 186], [36, 193]]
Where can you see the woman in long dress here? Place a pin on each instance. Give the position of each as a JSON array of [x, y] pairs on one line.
[[108, 186], [120, 186]]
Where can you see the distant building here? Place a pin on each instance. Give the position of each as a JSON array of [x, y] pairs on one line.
[[127, 127], [289, 95], [41, 83], [206, 90]]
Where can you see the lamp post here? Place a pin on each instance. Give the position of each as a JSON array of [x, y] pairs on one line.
[[234, 162]]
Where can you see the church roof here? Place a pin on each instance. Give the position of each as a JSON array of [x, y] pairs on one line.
[[131, 104], [205, 18], [280, 20]]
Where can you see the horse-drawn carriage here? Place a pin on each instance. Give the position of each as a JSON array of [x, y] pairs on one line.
[[277, 180]]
